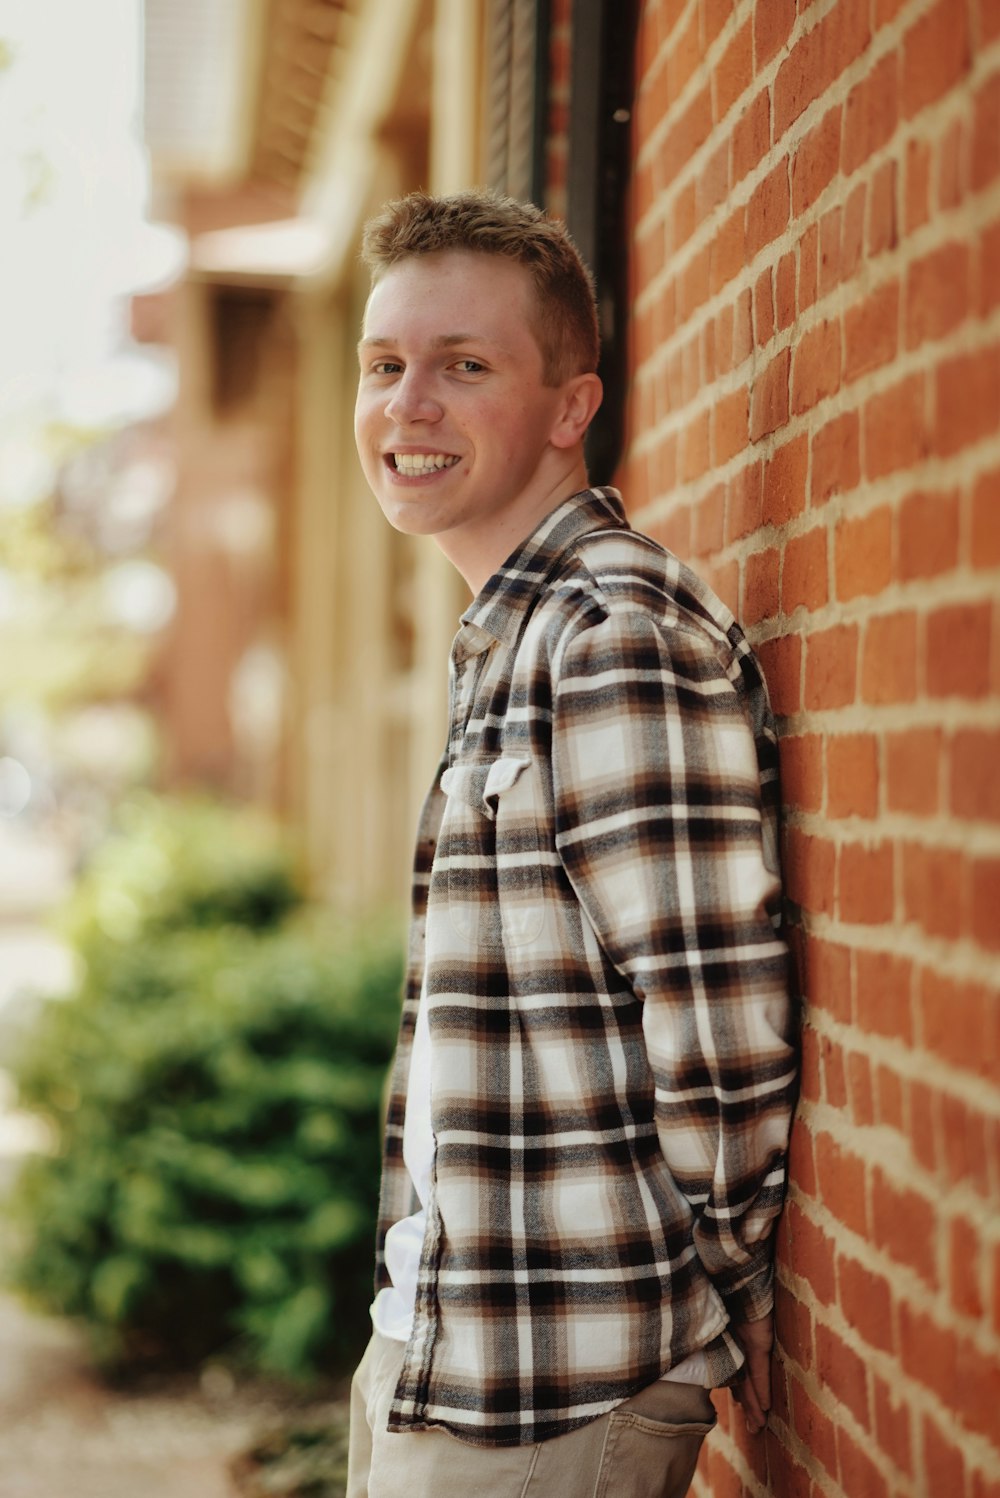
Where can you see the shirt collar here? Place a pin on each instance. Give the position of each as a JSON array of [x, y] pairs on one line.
[[498, 608]]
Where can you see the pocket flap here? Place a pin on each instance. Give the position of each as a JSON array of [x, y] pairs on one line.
[[479, 785]]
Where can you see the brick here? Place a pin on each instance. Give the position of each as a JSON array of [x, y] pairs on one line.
[[793, 1331], [988, 18], [917, 202], [768, 210], [751, 137], [784, 1472], [905, 1226], [744, 499], [852, 775], [933, 882], [727, 253], [836, 457], [913, 770], [883, 232], [841, 1177], [928, 1352], [815, 1430], [730, 426], [763, 309], [808, 253], [985, 163], [693, 289], [964, 1148], [967, 400], [724, 578], [781, 662], [828, 972], [802, 771], [958, 660], [871, 113], [984, 541], [742, 328], [816, 366], [889, 1099], [871, 331], [771, 28], [816, 161], [840, 1370], [760, 586], [810, 866], [803, 572], [942, 1463], [860, 1090], [975, 774], [866, 1301], [801, 1165], [852, 241], [923, 1114], [892, 1426], [811, 1256], [686, 135], [935, 56], [960, 1022], [831, 667], [865, 884], [884, 994], [938, 293], [989, 272], [818, 58], [784, 491], [683, 56], [833, 1071], [863, 554], [928, 534], [830, 265], [733, 73], [858, 1472], [769, 398], [951, 185], [784, 293], [895, 428], [889, 659], [986, 903]]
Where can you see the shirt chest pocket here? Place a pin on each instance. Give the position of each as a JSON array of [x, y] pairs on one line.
[[490, 848]]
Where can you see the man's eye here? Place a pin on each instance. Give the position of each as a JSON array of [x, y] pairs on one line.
[[469, 366], [385, 367]]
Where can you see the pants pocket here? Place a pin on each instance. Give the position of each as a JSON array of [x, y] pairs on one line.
[[653, 1441]]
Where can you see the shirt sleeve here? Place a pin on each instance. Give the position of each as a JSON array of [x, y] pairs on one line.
[[661, 830]]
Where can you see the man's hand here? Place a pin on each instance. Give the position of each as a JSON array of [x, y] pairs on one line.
[[752, 1390]]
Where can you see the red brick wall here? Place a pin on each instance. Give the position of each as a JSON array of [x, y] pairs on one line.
[[815, 422]]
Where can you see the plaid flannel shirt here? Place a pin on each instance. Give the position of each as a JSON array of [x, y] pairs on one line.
[[595, 934]]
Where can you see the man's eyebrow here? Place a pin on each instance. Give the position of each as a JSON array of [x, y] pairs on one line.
[[443, 340]]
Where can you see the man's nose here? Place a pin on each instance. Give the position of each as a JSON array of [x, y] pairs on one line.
[[412, 399]]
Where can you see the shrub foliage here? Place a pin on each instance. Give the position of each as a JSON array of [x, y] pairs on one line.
[[213, 1089]]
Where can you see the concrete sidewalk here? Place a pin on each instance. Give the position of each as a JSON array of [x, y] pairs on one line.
[[63, 1434]]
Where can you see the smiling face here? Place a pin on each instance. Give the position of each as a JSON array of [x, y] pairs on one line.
[[459, 436]]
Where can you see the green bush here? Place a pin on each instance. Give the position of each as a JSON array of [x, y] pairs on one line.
[[214, 1098]]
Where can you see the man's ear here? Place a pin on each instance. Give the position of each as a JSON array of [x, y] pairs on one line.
[[582, 395]]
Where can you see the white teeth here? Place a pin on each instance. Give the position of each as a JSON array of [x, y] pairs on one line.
[[417, 463]]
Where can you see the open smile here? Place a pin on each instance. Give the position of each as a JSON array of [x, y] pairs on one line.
[[417, 465]]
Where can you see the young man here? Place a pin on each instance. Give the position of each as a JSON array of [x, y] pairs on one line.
[[586, 1141]]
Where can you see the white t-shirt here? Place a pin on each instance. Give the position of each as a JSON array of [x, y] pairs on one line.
[[392, 1308]]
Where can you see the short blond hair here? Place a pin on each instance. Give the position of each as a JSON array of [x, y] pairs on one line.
[[489, 223]]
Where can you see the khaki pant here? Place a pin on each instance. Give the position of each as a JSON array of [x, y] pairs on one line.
[[645, 1448]]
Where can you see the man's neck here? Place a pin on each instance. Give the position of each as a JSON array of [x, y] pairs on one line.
[[477, 551]]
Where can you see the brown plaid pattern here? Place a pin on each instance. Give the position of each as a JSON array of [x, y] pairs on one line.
[[595, 927]]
